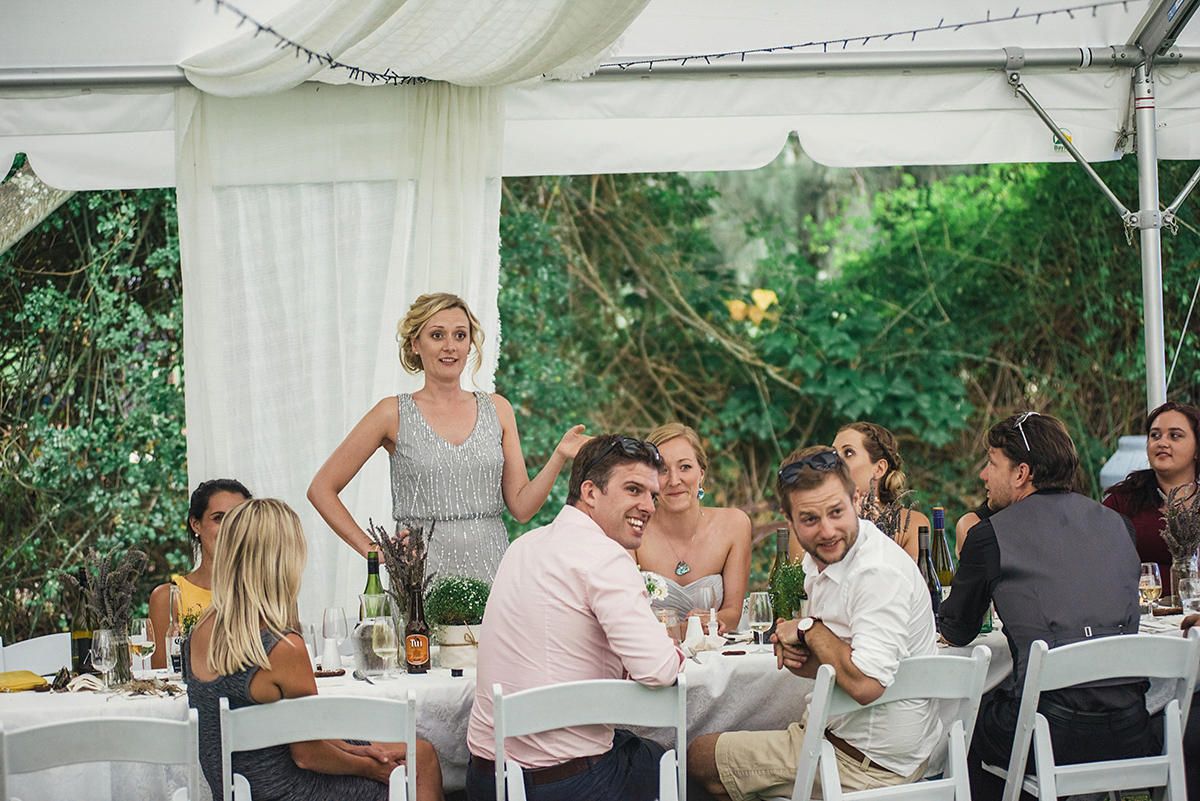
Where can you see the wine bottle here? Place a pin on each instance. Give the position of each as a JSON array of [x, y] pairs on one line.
[[942, 561], [416, 634], [781, 559], [925, 562], [374, 586], [175, 632], [83, 623]]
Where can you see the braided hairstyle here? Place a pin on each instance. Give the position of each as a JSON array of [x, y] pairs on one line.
[[881, 444]]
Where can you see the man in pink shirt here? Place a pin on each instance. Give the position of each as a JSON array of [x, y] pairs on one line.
[[569, 604]]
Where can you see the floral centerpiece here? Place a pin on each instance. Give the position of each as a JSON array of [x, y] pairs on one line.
[[1182, 533], [404, 559], [454, 608], [109, 590]]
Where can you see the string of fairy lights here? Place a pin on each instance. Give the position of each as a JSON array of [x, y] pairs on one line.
[[390, 77]]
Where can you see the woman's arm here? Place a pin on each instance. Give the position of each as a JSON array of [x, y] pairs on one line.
[[291, 676], [160, 619], [522, 496], [960, 531], [376, 430], [735, 575]]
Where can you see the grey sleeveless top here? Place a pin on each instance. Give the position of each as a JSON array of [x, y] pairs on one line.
[[683, 598], [455, 486], [272, 772]]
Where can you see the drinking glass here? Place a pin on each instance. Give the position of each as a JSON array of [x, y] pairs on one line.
[[383, 641], [670, 619], [309, 632], [706, 601], [1149, 586], [1189, 595], [141, 639], [761, 617], [104, 652], [335, 632]]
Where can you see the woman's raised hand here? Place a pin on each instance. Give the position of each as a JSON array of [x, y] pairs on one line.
[[572, 441]]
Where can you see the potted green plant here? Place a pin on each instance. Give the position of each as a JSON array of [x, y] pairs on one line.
[[787, 590], [454, 608]]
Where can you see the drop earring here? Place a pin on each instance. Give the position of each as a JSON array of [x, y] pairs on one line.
[[700, 494]]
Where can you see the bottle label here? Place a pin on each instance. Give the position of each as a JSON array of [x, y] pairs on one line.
[[945, 592], [416, 649], [81, 651], [175, 649]]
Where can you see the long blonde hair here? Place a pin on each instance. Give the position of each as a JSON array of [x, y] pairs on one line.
[[423, 308], [670, 431], [257, 568]]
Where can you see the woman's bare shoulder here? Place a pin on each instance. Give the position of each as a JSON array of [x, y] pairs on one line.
[[730, 521]]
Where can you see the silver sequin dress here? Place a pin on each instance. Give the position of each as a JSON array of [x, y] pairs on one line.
[[457, 486]]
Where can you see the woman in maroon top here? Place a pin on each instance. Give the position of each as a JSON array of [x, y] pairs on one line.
[[1172, 437]]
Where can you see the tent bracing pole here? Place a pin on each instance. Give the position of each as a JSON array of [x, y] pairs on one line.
[[1150, 223], [1128, 217], [1183, 193]]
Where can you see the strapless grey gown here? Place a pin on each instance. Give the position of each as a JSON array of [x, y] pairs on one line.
[[456, 486], [683, 598]]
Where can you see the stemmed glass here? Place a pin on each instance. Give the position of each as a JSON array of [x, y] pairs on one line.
[[706, 601], [334, 630], [761, 617], [1149, 586], [141, 639], [383, 641], [104, 652]]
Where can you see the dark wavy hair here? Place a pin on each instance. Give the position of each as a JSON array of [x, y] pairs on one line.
[[203, 494], [1141, 487], [1050, 454]]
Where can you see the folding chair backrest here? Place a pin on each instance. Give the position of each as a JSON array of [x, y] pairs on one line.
[[1132, 656], [317, 717], [42, 655], [103, 739], [597, 701]]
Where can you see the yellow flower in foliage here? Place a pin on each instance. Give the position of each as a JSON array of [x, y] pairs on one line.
[[737, 309], [763, 298]]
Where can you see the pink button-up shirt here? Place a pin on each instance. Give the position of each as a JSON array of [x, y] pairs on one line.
[[567, 604]]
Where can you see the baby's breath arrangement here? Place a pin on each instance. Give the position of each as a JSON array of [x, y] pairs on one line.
[[1182, 533], [404, 559], [457, 601]]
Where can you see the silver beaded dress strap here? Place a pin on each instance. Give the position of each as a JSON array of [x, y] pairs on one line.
[[457, 486]]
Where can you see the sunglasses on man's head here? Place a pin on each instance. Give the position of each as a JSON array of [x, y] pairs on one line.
[[631, 447], [824, 460], [1020, 422]]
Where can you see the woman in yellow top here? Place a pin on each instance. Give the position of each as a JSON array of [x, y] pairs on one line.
[[209, 504]]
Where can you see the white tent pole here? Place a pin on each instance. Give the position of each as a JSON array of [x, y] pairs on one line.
[[1149, 221]]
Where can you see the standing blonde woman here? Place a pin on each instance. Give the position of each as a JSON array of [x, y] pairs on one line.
[[694, 546], [455, 455], [245, 648], [871, 452]]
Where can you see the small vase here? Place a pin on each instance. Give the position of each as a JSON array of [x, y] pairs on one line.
[[1181, 569], [122, 672], [459, 646]]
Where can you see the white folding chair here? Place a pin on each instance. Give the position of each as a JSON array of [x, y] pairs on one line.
[[579, 703], [943, 677], [317, 717], [43, 655], [115, 739], [1121, 656]]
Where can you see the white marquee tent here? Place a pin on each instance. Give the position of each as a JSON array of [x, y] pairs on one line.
[[313, 210]]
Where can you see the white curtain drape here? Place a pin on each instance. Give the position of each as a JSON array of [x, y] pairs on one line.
[[303, 240]]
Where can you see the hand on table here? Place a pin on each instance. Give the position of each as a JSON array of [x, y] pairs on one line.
[[1189, 621], [789, 653]]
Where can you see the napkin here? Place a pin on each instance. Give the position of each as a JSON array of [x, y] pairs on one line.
[[14, 681], [85, 682], [704, 642]]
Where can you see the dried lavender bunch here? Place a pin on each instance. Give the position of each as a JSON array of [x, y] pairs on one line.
[[112, 580], [892, 518], [404, 559], [1182, 534]]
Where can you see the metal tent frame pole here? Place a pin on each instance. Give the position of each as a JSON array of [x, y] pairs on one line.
[[1149, 221]]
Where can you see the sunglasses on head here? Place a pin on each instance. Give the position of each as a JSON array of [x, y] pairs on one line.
[[634, 448], [1020, 422], [824, 460]]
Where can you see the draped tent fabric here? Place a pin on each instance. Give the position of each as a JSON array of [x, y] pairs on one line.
[[468, 42]]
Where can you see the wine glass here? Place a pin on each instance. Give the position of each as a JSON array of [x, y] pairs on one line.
[[761, 617], [141, 639], [706, 602], [383, 641], [334, 630], [1149, 586], [104, 652]]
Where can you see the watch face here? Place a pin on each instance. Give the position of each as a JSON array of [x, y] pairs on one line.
[[805, 623]]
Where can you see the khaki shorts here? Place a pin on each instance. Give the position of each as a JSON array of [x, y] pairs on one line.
[[756, 764]]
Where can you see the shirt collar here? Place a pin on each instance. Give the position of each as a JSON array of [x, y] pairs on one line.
[[837, 571]]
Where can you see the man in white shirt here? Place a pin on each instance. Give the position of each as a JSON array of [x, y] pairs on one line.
[[569, 604], [869, 609]]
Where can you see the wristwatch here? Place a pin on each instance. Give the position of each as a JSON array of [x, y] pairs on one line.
[[803, 625]]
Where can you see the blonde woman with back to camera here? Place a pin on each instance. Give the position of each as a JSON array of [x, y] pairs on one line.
[[455, 455], [694, 546], [246, 648], [871, 453]]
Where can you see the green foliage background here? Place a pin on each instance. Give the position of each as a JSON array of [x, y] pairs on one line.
[[949, 302]]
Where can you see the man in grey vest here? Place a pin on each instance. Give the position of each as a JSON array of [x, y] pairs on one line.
[[1059, 567]]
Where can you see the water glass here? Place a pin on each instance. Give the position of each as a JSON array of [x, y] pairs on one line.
[[670, 619], [1189, 595], [761, 616], [104, 652]]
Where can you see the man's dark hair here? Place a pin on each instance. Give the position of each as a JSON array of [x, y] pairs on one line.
[[588, 467], [810, 477], [203, 494], [1042, 442]]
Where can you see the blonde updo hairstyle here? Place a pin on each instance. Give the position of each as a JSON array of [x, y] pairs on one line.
[[419, 313], [257, 568], [670, 431], [881, 444]]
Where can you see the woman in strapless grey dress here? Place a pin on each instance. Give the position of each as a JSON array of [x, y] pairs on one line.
[[690, 545], [455, 455]]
